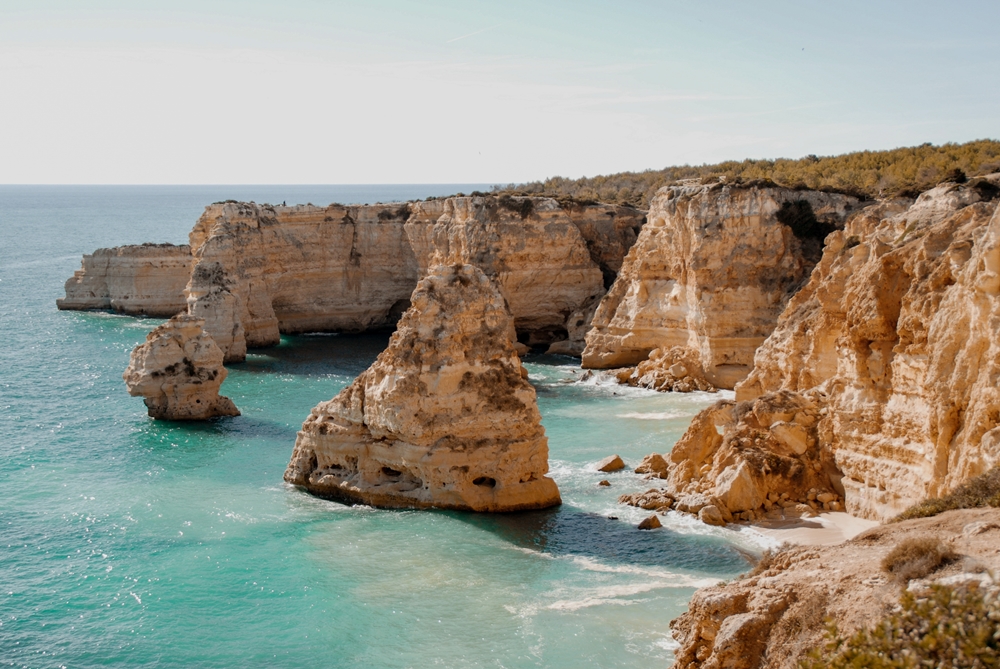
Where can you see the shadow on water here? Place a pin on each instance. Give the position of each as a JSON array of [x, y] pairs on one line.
[[317, 354], [566, 531], [193, 444]]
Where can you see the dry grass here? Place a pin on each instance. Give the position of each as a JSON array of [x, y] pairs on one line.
[[983, 490], [915, 558]]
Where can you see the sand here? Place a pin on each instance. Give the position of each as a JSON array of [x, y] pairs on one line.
[[826, 529]]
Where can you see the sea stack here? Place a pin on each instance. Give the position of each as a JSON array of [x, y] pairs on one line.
[[178, 372], [443, 418]]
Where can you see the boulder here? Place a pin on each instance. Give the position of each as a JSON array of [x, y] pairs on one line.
[[612, 463], [650, 523]]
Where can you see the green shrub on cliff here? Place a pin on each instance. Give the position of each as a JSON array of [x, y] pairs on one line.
[[869, 174], [983, 490], [951, 628]]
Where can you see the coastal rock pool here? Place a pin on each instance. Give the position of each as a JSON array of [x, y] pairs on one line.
[[126, 542]]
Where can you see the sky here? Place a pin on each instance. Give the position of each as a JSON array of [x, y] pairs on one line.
[[433, 91]]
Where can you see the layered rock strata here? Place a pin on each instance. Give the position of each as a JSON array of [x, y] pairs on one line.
[[263, 270], [443, 418], [772, 618], [143, 280], [711, 272], [896, 334], [178, 372]]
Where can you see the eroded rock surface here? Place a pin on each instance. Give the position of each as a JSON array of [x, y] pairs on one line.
[[178, 372], [771, 618], [746, 460], [711, 272], [264, 270], [896, 334], [443, 418], [143, 280]]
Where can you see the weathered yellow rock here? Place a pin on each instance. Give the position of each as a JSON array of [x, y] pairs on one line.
[[265, 270], [774, 616], [144, 280], [897, 330], [745, 459], [178, 371], [677, 369], [443, 418], [711, 272]]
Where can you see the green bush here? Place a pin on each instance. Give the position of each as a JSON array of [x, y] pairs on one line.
[[983, 490], [951, 628], [868, 174]]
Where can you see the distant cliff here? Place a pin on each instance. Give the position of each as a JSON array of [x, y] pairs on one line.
[[145, 280], [255, 271]]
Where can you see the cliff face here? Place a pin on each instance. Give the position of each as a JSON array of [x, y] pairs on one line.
[[773, 617], [443, 418], [896, 331], [264, 270], [178, 372], [711, 272], [255, 271], [145, 280]]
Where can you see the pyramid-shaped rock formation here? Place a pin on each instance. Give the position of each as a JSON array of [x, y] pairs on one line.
[[443, 418]]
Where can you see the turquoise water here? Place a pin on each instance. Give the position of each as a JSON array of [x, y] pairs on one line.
[[126, 542]]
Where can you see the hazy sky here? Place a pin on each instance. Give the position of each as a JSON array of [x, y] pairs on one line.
[[310, 91]]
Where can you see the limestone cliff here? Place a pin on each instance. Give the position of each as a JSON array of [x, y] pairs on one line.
[[144, 280], [178, 372], [443, 418], [263, 270], [771, 618], [894, 337], [711, 272]]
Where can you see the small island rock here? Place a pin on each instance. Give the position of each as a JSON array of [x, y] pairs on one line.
[[178, 371]]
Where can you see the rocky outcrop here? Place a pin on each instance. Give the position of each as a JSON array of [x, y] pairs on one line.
[[265, 270], [676, 369], [711, 272], [747, 461], [443, 418], [896, 334], [144, 280], [773, 617], [178, 371]]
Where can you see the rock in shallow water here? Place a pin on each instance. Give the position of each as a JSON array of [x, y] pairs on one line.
[[443, 418], [178, 371]]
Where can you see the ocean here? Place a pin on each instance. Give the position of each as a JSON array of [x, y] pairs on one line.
[[127, 542]]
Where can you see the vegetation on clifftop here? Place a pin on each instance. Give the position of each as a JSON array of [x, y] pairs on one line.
[[983, 490], [950, 627], [867, 174]]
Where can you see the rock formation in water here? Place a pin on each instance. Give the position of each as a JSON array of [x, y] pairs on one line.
[[144, 280], [773, 617], [443, 418], [178, 371], [894, 341], [711, 272]]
